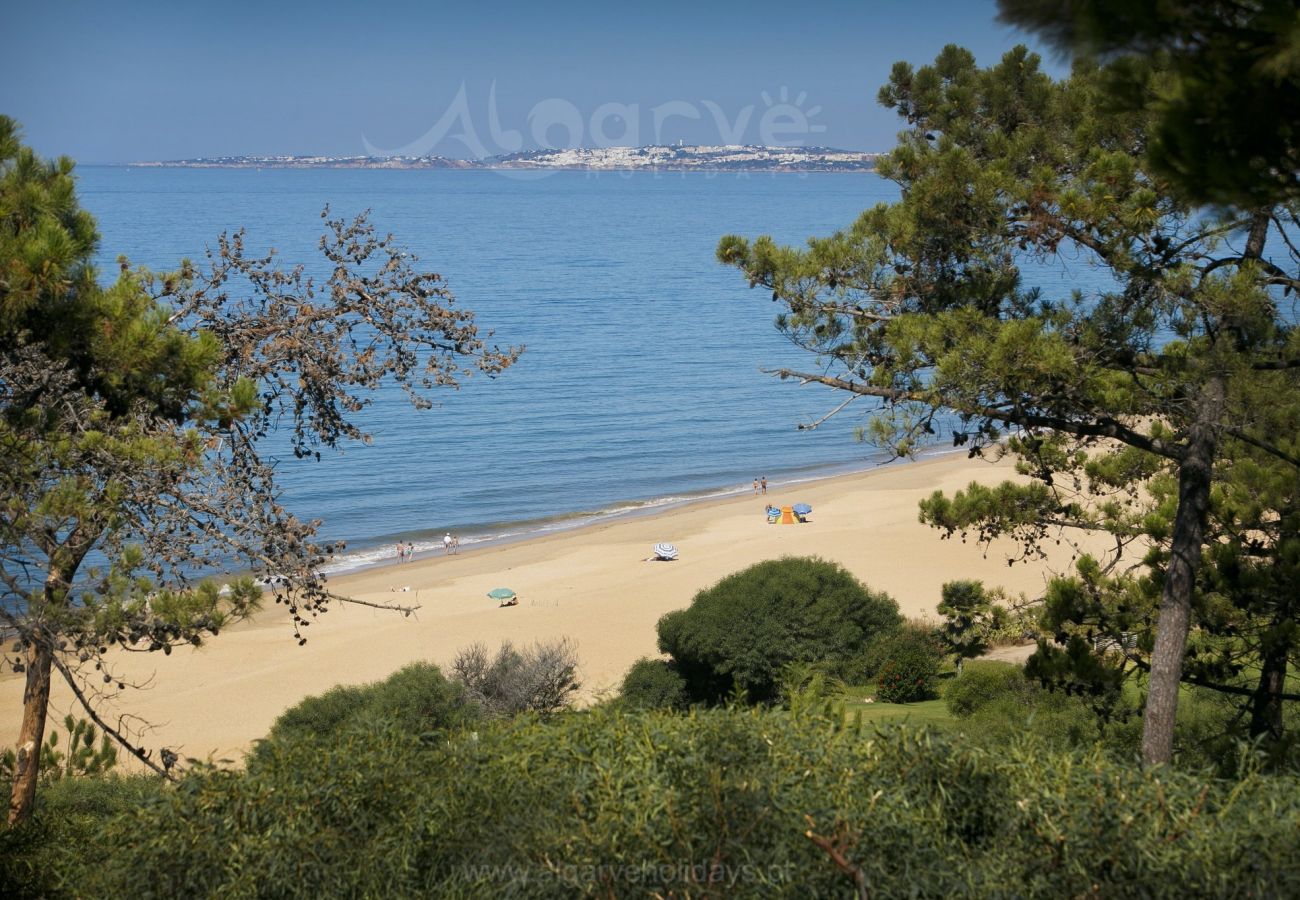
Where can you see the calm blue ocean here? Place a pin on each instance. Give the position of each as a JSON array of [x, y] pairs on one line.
[[640, 385]]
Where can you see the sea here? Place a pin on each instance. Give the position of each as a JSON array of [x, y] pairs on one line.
[[641, 385]]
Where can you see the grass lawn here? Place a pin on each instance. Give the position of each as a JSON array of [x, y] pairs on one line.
[[925, 712]]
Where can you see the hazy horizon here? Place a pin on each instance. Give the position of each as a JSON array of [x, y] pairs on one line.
[[160, 82]]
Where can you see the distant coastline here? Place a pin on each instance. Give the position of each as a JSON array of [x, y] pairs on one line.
[[729, 158]]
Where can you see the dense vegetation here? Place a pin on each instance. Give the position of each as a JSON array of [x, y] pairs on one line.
[[416, 699], [739, 635], [608, 802], [423, 785]]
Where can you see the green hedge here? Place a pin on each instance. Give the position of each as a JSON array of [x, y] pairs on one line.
[[617, 803]]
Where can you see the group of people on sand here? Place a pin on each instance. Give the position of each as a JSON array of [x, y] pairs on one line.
[[760, 485]]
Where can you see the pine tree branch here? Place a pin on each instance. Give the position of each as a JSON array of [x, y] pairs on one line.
[[1245, 438], [810, 426], [138, 752], [1200, 681], [1103, 427]]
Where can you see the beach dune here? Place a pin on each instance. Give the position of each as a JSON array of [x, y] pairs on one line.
[[591, 585]]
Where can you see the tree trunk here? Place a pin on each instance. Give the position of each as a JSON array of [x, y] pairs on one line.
[[1266, 705], [36, 701], [1194, 475], [36, 693]]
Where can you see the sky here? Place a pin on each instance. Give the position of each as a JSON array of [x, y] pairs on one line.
[[133, 81]]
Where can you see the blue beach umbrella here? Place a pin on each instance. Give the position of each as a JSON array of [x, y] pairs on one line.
[[801, 509], [665, 551], [501, 593]]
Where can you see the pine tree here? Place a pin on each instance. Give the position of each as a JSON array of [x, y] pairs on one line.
[[1226, 127], [131, 417], [1178, 370]]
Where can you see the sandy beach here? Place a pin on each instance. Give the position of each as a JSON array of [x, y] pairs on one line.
[[591, 585]]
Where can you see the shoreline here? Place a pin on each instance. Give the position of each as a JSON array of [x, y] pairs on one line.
[[374, 553], [587, 584]]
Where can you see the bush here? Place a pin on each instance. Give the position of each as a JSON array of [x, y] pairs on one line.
[[416, 698], [908, 664], [47, 856], [1061, 722], [654, 684], [741, 633], [541, 678], [610, 802], [984, 682]]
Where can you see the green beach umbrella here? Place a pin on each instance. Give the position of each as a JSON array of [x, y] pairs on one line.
[[501, 593]]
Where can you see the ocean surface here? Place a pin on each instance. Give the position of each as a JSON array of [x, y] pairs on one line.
[[640, 386]]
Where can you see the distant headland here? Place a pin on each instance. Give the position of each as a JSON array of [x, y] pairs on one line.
[[730, 158]]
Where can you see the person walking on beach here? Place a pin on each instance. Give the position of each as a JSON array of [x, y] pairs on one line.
[[446, 542], [764, 484], [755, 485]]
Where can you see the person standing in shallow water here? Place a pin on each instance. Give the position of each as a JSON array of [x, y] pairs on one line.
[[446, 542], [755, 485], [763, 482]]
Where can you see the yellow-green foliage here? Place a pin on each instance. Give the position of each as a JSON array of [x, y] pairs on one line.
[[981, 683], [717, 802], [78, 758]]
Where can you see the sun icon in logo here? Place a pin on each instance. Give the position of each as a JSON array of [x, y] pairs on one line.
[[786, 124]]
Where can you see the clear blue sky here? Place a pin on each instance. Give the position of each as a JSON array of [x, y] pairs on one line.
[[108, 82]]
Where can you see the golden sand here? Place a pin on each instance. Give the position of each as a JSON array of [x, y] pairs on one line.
[[591, 585]]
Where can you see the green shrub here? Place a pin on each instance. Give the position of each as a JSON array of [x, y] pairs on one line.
[[416, 698], [1060, 721], [654, 684], [741, 633], [981, 683], [616, 803], [49, 856], [907, 664], [999, 708]]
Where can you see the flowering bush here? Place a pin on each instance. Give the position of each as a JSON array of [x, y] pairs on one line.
[[910, 664]]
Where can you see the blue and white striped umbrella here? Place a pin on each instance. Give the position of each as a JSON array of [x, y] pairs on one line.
[[665, 551]]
